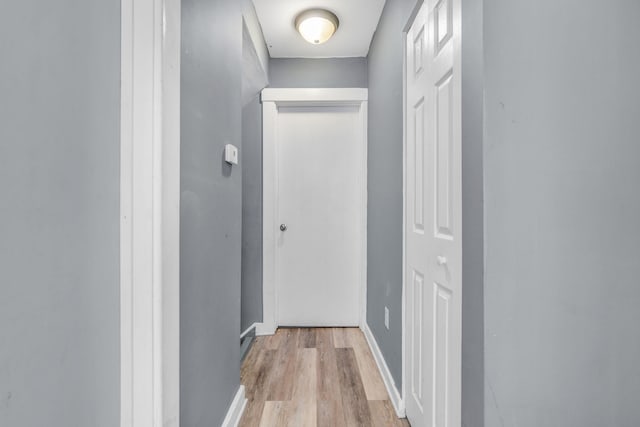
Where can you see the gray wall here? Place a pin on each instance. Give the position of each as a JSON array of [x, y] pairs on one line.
[[384, 237], [251, 160], [211, 212], [472, 216], [59, 232], [562, 157], [329, 72]]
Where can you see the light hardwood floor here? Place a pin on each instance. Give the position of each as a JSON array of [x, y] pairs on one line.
[[315, 377]]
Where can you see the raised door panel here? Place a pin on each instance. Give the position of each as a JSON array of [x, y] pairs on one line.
[[418, 167], [441, 367], [417, 334], [443, 25], [443, 157]]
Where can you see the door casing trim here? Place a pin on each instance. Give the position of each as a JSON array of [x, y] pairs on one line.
[[150, 213], [272, 99]]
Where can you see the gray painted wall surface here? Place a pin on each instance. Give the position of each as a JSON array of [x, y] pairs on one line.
[[329, 72], [59, 232], [384, 245], [562, 167], [251, 160], [211, 211], [472, 217]]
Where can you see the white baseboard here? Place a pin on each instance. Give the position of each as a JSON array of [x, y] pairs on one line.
[[394, 394], [242, 335], [265, 329], [236, 409]]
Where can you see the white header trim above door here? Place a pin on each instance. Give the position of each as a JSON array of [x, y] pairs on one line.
[[344, 96], [273, 98]]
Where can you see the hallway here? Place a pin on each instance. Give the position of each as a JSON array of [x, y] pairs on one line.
[[455, 180], [315, 377]]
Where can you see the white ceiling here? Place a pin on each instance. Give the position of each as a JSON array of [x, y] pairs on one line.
[[358, 22]]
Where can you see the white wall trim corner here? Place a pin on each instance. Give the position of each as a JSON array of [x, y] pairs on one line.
[[269, 215], [364, 194], [348, 96], [404, 200], [252, 22], [236, 409], [150, 213], [263, 329], [394, 394], [246, 331]]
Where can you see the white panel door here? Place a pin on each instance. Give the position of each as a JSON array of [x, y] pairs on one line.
[[433, 253], [318, 241]]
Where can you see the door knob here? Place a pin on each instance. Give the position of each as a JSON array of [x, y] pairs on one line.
[[283, 227], [441, 260]]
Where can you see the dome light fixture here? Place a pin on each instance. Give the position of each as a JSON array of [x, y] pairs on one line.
[[316, 25]]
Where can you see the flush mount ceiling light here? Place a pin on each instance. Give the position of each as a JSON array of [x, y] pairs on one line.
[[316, 25]]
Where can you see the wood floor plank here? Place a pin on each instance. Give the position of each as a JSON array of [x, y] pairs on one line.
[[329, 393], [328, 379], [272, 342], [354, 401], [258, 342], [289, 414], [281, 380], [330, 413], [340, 338], [252, 414], [305, 385], [257, 385], [383, 414], [248, 369], [250, 361], [324, 338], [302, 414], [371, 378], [275, 414], [307, 338]]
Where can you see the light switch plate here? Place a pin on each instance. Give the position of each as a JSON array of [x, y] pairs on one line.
[[231, 154]]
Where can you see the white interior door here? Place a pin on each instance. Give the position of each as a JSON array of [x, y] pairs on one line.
[[318, 220], [433, 253]]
